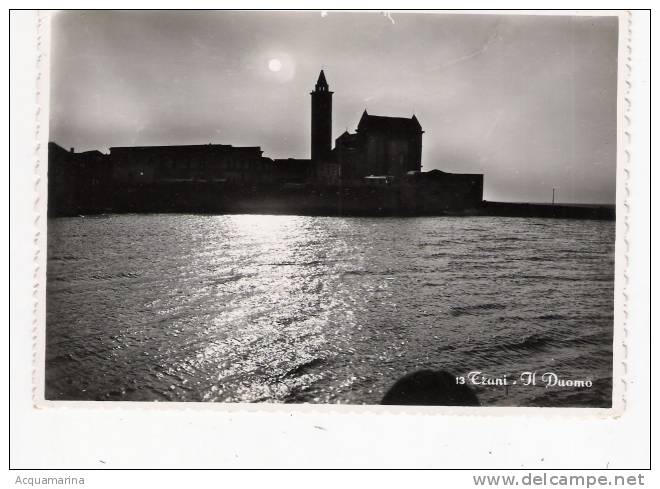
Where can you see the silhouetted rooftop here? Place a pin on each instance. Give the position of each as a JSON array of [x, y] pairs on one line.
[[322, 80], [54, 147], [93, 152], [321, 84], [213, 147], [346, 136], [389, 124], [291, 162], [439, 174]]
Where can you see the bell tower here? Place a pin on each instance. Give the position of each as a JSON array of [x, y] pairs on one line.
[[321, 119]]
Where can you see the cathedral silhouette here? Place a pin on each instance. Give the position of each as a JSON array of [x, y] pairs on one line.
[[377, 170], [386, 147]]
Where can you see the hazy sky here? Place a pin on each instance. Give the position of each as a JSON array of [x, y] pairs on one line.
[[530, 101]]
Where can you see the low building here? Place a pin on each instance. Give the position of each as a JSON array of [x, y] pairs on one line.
[[438, 191], [77, 182], [190, 163], [290, 170]]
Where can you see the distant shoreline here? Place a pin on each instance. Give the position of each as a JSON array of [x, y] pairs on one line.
[[488, 209], [559, 211]]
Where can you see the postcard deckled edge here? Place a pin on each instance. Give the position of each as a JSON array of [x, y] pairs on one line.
[[621, 282], [40, 189]]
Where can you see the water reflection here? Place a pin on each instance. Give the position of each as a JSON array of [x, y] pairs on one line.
[[312, 309]]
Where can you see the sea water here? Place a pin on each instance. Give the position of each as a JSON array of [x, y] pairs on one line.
[[250, 308]]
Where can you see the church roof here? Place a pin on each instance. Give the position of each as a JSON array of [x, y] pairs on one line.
[[345, 135], [321, 80], [389, 124], [322, 84]]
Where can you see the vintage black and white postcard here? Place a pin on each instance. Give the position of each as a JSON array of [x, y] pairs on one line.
[[326, 208]]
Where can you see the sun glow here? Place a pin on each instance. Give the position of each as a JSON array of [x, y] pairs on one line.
[[274, 65], [277, 65]]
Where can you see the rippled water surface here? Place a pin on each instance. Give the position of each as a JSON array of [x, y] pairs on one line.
[[324, 309]]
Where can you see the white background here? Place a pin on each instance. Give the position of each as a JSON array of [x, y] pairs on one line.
[[187, 438]]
